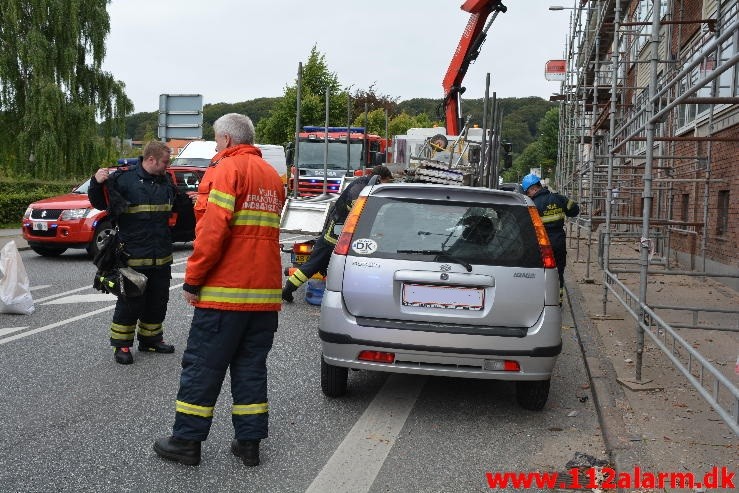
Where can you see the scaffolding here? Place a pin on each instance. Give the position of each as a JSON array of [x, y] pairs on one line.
[[649, 146]]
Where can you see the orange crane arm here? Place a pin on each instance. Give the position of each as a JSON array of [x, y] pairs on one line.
[[467, 51]]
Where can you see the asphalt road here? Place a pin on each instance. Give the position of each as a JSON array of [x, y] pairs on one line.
[[73, 420]]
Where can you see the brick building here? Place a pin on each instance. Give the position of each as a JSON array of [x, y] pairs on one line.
[[650, 119]]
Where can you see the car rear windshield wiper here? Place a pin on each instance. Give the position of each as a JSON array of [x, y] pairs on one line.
[[441, 253]]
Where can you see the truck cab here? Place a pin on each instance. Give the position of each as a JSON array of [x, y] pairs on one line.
[[350, 152]]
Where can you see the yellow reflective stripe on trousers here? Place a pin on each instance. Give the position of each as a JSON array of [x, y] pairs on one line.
[[249, 217], [222, 199], [240, 296], [138, 262], [148, 208], [149, 329], [122, 332], [298, 278], [552, 218], [259, 408], [195, 410]]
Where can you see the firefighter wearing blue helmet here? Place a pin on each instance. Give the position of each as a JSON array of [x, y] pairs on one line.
[[553, 208]]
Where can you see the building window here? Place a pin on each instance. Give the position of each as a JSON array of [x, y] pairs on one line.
[[722, 223], [684, 206]]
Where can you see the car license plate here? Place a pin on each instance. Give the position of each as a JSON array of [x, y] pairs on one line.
[[300, 258], [40, 226], [448, 297]]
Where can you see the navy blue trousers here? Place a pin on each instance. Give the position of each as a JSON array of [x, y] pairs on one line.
[[221, 340], [148, 310]]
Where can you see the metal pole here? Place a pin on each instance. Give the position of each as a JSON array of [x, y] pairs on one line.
[[365, 150], [646, 209], [611, 156], [348, 132], [489, 142], [296, 150], [483, 138], [387, 140], [325, 149]]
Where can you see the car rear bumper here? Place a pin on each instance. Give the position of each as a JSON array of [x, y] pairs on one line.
[[467, 355]]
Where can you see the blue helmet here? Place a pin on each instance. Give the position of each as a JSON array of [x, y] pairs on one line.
[[528, 180]]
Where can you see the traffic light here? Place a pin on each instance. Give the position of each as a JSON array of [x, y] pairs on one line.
[[507, 156]]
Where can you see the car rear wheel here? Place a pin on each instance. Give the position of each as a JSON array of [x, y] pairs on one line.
[[103, 230], [333, 379], [48, 251], [532, 395]]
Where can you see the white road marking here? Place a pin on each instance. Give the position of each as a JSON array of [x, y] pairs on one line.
[[67, 321], [178, 275], [82, 298], [44, 286], [65, 293], [356, 461], [10, 330]]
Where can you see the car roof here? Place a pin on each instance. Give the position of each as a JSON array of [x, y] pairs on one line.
[[428, 191]]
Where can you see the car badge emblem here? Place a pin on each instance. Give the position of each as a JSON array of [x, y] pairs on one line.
[[43, 213], [444, 276], [446, 267]]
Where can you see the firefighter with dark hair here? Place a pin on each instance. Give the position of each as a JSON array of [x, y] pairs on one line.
[[140, 200], [324, 246], [553, 208]]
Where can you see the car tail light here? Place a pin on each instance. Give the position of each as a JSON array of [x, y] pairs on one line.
[[501, 365], [345, 240], [547, 254], [376, 356], [302, 248]]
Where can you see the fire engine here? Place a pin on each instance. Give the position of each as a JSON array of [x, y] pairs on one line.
[[350, 152]]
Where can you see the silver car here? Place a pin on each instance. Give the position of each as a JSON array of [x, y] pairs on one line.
[[440, 280]]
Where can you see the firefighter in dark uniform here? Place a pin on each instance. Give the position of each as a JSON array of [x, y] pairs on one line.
[[324, 245], [553, 208], [140, 199]]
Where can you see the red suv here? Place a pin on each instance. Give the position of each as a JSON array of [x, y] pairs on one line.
[[51, 226]]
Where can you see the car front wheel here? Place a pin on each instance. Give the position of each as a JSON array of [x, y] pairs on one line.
[[333, 379], [45, 251], [532, 395], [103, 230]]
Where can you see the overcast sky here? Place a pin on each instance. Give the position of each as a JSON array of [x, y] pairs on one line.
[[236, 50]]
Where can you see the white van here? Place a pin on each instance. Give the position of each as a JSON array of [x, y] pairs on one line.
[[200, 152]]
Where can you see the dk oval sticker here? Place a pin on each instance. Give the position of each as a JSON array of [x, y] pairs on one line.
[[364, 246]]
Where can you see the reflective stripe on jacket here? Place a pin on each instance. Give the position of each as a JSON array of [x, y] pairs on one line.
[[236, 257], [553, 208], [343, 206], [143, 221]]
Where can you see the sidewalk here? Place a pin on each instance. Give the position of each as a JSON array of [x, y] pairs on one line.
[[665, 425], [7, 235]]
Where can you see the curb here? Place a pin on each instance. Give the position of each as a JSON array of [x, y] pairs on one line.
[[610, 400]]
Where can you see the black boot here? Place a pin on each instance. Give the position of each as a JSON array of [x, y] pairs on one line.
[[183, 451], [287, 291], [248, 450], [157, 347], [122, 355]]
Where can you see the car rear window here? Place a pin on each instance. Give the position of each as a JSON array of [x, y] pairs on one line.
[[478, 233]]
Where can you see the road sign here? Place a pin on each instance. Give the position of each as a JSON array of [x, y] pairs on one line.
[[180, 116]]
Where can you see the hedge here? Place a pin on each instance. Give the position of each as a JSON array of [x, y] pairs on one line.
[[16, 195]]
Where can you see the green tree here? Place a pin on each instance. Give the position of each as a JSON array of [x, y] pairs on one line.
[[279, 126], [52, 88], [542, 152]]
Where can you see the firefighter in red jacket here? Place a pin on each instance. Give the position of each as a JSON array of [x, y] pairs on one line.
[[233, 278]]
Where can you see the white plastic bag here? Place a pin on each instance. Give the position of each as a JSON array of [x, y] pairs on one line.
[[15, 290]]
